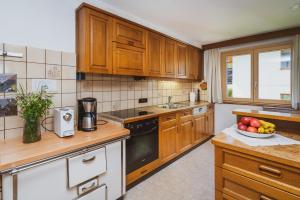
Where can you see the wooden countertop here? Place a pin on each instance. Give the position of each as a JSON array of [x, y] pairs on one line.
[[286, 154], [155, 111], [268, 115], [14, 153]]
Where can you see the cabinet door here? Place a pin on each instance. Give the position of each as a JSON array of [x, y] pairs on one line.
[[193, 63], [128, 60], [168, 143], [94, 41], [170, 58], [182, 60], [210, 122], [200, 128], [155, 54], [185, 134], [129, 34]]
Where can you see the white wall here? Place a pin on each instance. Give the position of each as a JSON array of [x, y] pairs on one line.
[[224, 117]]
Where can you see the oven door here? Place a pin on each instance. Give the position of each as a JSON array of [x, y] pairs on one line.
[[141, 148]]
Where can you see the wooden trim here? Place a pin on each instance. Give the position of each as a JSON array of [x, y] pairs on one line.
[[254, 100], [254, 38], [223, 74]]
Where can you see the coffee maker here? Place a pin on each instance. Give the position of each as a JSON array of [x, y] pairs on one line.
[[87, 114]]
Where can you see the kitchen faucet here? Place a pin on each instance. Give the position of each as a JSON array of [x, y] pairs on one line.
[[169, 99]]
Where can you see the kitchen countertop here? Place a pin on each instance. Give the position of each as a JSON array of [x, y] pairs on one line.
[[268, 115], [155, 112], [286, 154], [14, 152]]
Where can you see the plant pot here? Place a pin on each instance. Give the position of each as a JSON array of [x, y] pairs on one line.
[[32, 131]]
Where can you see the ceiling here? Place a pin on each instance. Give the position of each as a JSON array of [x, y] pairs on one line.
[[202, 22]]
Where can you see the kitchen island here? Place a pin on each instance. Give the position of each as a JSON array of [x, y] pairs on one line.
[[261, 172], [80, 166]]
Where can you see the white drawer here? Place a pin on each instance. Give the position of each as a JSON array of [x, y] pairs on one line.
[[86, 166], [97, 194]]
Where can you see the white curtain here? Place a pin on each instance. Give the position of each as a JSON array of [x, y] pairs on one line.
[[212, 75], [296, 73]]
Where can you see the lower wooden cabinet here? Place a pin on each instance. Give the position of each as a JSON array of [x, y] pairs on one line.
[[210, 122], [185, 131], [240, 187], [168, 138], [242, 176], [200, 125], [128, 60]]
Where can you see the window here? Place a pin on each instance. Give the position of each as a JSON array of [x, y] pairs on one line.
[[257, 75]]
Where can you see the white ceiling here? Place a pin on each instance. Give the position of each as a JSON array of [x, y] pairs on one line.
[[202, 22]]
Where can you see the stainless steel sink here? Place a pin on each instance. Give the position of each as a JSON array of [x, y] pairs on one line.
[[173, 105]]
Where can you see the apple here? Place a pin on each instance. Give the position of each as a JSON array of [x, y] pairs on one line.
[[242, 127], [245, 120], [252, 129], [240, 123], [254, 123]]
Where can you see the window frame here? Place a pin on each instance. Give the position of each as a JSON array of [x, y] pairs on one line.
[[254, 52]]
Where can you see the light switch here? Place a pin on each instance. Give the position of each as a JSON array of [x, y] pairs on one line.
[[51, 85]]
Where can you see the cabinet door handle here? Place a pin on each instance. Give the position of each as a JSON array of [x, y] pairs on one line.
[[84, 189], [269, 171], [130, 43], [263, 197], [143, 172], [88, 160]]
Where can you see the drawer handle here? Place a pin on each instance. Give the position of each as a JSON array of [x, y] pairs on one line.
[[84, 189], [263, 197], [88, 160], [130, 43], [142, 172], [269, 171]]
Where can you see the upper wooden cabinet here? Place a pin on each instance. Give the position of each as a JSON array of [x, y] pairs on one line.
[[94, 41], [129, 34], [193, 63], [182, 53], [155, 54], [170, 66], [128, 60], [108, 44]]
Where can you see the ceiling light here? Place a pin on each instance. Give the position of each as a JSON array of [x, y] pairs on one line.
[[295, 7]]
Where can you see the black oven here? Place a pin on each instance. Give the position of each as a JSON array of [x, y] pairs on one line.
[[142, 146]]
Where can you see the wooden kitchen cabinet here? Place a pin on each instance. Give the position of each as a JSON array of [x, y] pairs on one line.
[[94, 41], [167, 138], [193, 63], [155, 54], [185, 131], [129, 34], [170, 66], [200, 132], [108, 44], [210, 122], [182, 60], [128, 60]]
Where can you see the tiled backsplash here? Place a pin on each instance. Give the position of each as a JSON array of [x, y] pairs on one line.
[[123, 92], [112, 92], [34, 66]]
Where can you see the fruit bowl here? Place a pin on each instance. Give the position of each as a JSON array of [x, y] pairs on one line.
[[255, 135]]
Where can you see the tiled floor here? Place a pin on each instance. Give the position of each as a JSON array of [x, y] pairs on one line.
[[189, 178]]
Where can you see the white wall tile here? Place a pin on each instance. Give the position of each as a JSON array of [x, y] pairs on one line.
[[53, 57], [36, 70], [68, 59], [53, 71], [36, 55], [10, 48], [68, 72], [13, 133], [18, 68], [68, 86], [68, 100]]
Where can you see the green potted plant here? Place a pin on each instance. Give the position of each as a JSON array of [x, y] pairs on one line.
[[32, 107]]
